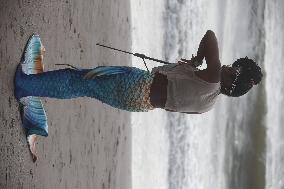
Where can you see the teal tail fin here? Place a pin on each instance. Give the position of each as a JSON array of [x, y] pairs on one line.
[[32, 112], [33, 116], [34, 121], [33, 56]]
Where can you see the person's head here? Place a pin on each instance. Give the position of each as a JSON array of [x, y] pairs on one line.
[[238, 79]]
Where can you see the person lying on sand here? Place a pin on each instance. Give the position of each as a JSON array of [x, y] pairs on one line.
[[178, 87]]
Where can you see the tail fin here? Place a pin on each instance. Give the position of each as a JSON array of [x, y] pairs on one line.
[[33, 56], [33, 116], [32, 112], [34, 121]]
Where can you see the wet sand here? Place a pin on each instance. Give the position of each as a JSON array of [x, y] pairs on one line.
[[89, 143]]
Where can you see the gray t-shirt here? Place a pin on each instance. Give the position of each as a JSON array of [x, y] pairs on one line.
[[186, 92]]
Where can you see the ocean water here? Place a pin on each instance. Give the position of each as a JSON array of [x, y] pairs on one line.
[[238, 144]]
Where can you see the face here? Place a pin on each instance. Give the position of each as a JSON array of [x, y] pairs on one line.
[[228, 75]]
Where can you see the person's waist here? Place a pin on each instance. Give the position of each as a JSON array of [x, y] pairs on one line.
[[158, 91]]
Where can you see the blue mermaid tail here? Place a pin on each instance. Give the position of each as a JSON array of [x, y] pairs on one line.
[[32, 112], [122, 87]]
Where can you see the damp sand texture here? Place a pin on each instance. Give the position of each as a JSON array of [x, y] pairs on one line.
[[89, 143]]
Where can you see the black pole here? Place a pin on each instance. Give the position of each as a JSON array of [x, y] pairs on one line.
[[115, 49], [136, 54]]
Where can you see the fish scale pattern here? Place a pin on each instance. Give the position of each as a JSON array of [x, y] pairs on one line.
[[128, 90]]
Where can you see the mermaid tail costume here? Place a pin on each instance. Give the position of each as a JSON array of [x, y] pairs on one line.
[[126, 88]]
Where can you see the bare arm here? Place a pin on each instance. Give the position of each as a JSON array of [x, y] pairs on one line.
[[208, 49]]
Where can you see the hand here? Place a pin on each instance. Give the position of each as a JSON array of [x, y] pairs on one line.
[[190, 62]]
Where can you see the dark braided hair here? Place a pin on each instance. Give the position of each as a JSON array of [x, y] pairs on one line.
[[250, 74]]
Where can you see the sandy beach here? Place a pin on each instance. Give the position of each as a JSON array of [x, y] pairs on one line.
[[89, 143]]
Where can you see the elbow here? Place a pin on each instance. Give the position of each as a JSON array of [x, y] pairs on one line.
[[211, 39], [210, 33]]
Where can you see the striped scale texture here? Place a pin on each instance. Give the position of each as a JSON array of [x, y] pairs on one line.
[[128, 89]]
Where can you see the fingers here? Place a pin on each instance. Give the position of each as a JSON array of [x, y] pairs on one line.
[[185, 61], [181, 62]]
